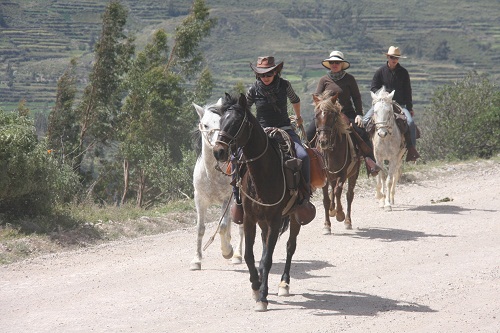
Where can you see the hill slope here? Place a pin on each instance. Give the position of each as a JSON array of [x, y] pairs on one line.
[[38, 37]]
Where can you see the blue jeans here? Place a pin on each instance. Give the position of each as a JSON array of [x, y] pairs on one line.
[[409, 120], [302, 154]]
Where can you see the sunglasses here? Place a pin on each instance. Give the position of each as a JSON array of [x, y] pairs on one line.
[[270, 74], [335, 62], [393, 57]]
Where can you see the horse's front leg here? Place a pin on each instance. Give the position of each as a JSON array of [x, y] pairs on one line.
[[327, 228], [265, 266], [340, 216], [225, 233], [380, 194], [201, 211], [388, 188], [250, 231], [351, 184], [291, 245]]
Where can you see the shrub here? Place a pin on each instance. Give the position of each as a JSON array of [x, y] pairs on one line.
[[463, 120], [31, 181]]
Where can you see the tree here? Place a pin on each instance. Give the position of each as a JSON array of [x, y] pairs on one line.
[[102, 97], [157, 112], [62, 136]]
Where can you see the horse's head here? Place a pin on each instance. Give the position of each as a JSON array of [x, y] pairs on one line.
[[328, 119], [209, 123], [235, 129], [383, 114]]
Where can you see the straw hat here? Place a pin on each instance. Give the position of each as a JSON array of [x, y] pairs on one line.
[[394, 52], [336, 56]]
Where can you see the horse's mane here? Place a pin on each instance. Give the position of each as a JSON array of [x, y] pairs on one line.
[[326, 103], [382, 95]]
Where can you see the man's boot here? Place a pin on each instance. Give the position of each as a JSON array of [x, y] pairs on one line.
[[305, 212], [237, 212], [412, 154], [372, 168]]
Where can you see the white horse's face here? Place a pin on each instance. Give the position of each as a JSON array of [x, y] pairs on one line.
[[383, 117], [209, 125], [382, 112]]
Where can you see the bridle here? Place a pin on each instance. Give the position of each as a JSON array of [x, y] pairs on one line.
[[232, 144], [330, 133], [388, 122]]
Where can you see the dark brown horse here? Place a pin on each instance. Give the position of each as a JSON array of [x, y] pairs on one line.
[[263, 191], [342, 163]]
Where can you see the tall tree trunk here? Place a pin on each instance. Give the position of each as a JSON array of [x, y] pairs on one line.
[[141, 186], [125, 180]]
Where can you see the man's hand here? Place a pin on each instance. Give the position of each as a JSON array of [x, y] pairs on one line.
[[359, 121], [299, 120], [412, 114]]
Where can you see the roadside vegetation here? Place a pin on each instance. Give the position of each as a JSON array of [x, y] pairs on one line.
[[117, 158]]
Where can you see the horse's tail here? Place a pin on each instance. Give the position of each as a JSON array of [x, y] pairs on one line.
[[285, 225]]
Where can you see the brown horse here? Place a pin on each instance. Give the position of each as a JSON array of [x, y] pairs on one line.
[[334, 141], [264, 192]]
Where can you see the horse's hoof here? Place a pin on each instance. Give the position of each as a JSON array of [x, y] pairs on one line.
[[260, 307], [327, 231], [348, 226], [195, 266], [340, 217], [236, 260], [332, 213], [284, 289], [229, 255], [388, 208], [255, 295]]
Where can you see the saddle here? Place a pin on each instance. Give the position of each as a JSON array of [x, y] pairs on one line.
[[303, 210]]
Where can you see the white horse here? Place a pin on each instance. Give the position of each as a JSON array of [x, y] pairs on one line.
[[212, 187], [388, 147]]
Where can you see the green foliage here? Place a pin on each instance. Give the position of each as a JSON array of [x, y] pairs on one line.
[[188, 35], [63, 129], [154, 122], [102, 97], [463, 120], [31, 181]]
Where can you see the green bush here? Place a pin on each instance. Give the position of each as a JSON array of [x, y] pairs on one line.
[[463, 121], [31, 181]]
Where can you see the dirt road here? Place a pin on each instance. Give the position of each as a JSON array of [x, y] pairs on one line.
[[430, 265]]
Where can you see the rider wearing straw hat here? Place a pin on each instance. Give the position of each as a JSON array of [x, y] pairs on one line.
[[395, 77], [337, 80]]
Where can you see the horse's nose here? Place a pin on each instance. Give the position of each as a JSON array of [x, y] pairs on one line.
[[220, 153], [382, 133]]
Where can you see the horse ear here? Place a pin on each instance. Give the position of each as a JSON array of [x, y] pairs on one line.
[[199, 110], [242, 100], [227, 96], [391, 95], [334, 97], [219, 102], [316, 99]]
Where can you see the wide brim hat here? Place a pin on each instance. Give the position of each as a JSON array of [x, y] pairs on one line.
[[266, 64], [336, 56], [394, 51]]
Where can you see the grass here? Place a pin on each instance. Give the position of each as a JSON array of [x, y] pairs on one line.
[[74, 227]]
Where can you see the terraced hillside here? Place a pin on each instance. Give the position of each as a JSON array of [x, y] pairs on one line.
[[38, 37]]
